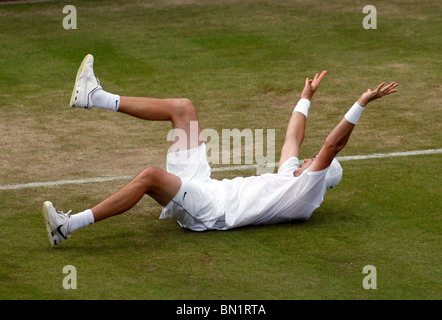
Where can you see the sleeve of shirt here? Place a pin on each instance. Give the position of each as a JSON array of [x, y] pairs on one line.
[[289, 166], [310, 187]]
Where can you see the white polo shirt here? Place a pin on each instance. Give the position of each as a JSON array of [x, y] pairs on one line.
[[203, 203]]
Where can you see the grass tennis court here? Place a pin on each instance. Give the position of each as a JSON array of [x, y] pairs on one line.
[[243, 64]]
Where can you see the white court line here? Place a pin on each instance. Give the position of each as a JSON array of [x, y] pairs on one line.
[[220, 169]]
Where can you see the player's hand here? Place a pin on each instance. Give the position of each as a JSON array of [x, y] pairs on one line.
[[311, 85], [379, 92]]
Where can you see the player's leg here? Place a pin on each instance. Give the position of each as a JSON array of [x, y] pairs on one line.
[[88, 93], [181, 112], [159, 184]]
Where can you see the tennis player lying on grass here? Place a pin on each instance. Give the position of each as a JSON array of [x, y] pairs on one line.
[[186, 191]]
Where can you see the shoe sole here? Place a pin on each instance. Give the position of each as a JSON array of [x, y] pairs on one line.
[[46, 206], [80, 70]]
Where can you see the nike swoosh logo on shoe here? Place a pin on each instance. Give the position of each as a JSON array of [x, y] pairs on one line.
[[59, 231]]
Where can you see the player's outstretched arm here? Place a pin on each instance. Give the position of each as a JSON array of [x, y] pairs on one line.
[[296, 128], [340, 135]]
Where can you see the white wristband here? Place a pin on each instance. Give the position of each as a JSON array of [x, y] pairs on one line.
[[354, 113], [302, 106]]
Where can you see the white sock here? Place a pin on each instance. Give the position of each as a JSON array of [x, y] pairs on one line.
[[105, 100], [80, 220]]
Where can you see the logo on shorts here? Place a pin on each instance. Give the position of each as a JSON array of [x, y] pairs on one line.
[[184, 195]]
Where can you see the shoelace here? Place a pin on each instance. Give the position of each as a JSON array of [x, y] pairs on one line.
[[66, 214]]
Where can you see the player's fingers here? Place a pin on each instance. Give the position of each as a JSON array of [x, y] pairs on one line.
[[322, 75], [392, 89], [390, 92], [388, 87], [380, 86]]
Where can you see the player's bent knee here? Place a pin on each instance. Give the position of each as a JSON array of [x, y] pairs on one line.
[[184, 108], [149, 177]]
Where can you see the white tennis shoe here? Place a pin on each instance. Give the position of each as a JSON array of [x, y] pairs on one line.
[[57, 224], [85, 84]]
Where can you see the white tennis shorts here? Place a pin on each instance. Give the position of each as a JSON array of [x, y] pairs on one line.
[[196, 206]]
